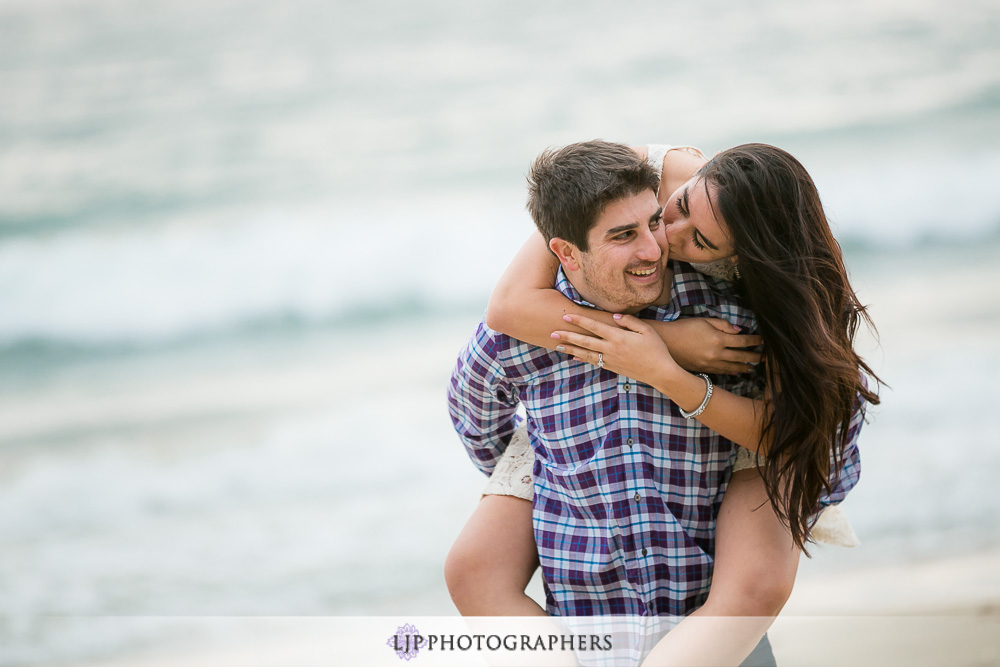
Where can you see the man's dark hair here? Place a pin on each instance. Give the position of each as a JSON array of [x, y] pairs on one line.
[[569, 187]]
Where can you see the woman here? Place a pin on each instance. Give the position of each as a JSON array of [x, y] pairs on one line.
[[753, 215]]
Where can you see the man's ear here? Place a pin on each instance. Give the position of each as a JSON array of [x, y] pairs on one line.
[[567, 253]]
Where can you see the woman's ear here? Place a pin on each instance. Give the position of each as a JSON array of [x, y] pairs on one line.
[[567, 254]]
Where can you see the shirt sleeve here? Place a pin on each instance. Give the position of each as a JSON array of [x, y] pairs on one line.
[[844, 477], [482, 401]]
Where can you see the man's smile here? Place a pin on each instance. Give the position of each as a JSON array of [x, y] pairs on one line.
[[643, 274]]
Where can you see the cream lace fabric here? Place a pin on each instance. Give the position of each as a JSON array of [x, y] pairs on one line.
[[832, 527], [720, 268], [656, 152], [512, 476]]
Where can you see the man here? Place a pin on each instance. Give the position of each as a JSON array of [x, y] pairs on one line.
[[626, 489]]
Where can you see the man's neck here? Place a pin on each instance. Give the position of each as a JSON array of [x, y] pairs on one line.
[[668, 287]]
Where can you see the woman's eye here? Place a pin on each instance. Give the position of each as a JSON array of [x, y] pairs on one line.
[[697, 243], [680, 207]]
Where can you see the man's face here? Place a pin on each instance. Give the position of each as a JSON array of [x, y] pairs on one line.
[[624, 270]]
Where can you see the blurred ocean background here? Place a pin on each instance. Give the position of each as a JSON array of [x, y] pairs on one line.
[[242, 242]]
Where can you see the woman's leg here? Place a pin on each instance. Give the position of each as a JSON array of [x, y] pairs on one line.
[[755, 565], [493, 559]]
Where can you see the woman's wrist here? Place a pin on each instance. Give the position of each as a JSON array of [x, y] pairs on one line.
[[692, 414], [670, 380], [685, 389]]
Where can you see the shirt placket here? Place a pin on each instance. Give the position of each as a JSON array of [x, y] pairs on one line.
[[634, 487]]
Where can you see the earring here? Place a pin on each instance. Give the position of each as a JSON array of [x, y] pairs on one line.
[[736, 270]]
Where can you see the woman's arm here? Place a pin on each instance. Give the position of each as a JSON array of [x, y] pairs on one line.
[[632, 348], [679, 164], [525, 305]]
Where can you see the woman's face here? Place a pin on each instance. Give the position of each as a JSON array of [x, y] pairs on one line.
[[694, 232]]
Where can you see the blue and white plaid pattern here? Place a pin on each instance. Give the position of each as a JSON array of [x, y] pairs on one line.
[[626, 490]]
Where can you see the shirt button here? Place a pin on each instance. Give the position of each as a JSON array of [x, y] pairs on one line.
[[627, 387], [637, 496], [644, 552], [629, 442]]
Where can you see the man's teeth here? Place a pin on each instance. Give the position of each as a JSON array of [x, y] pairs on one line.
[[647, 272]]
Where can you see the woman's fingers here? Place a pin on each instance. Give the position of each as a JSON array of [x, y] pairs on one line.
[[581, 341], [607, 331], [600, 328], [579, 353], [723, 325], [632, 323], [743, 340], [742, 356]]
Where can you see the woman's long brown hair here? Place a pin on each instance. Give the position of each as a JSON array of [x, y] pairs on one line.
[[794, 279]]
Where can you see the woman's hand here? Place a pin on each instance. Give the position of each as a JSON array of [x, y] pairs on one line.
[[632, 348], [706, 345]]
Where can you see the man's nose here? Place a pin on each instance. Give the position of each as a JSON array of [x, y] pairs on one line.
[[650, 249]]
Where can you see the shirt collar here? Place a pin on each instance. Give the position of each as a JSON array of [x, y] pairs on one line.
[[565, 287]]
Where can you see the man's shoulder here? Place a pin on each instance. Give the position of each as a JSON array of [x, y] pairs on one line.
[[692, 287], [515, 358], [699, 295]]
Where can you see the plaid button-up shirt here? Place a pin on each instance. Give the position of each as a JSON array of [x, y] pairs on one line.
[[626, 490]]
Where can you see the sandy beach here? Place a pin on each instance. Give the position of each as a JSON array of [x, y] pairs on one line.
[[938, 612], [928, 614]]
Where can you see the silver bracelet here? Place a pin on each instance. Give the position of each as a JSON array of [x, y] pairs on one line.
[[704, 402]]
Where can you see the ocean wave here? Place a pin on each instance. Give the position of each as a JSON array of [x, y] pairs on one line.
[[117, 296], [121, 288]]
